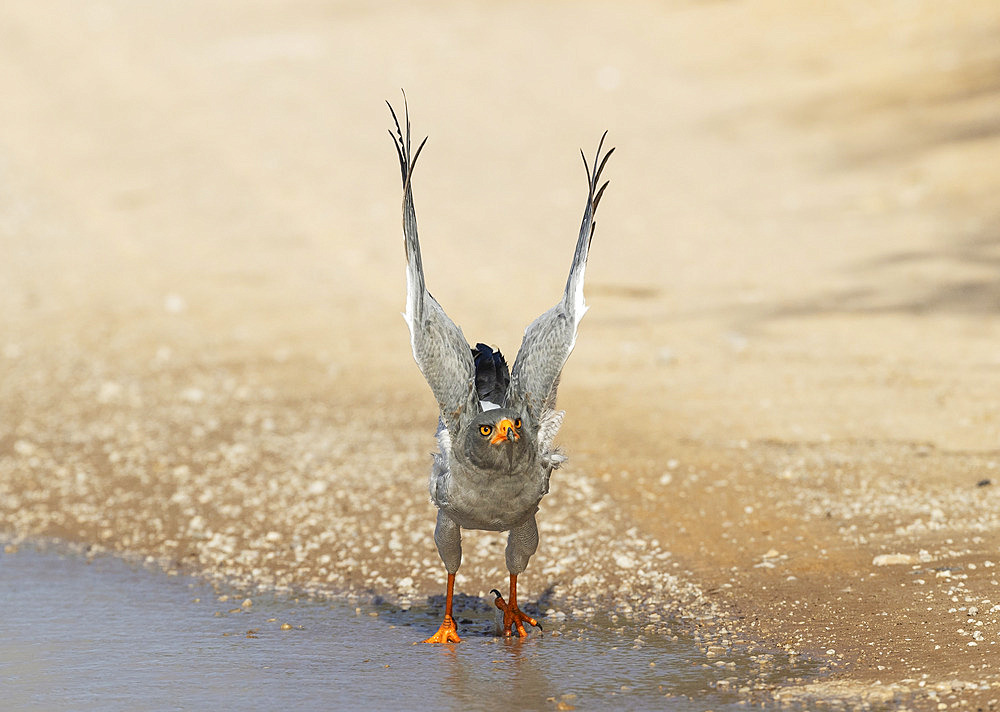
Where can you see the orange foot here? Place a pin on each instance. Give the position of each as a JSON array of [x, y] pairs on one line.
[[447, 633], [513, 616]]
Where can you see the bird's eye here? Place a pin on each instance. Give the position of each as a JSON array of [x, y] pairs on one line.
[[485, 430], [517, 424]]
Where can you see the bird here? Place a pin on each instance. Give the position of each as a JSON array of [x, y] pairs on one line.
[[496, 424]]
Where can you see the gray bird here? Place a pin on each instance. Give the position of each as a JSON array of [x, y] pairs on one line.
[[496, 426]]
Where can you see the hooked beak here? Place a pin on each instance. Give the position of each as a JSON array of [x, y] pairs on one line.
[[505, 432]]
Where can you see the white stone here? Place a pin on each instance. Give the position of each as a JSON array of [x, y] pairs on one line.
[[892, 559]]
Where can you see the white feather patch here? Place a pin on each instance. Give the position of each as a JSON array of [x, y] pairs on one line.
[[548, 426], [443, 438], [579, 305], [411, 299]]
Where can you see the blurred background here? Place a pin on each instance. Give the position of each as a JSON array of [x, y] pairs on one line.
[[793, 345], [801, 185], [200, 209]]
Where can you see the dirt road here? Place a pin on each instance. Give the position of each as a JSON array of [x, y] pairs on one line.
[[783, 406]]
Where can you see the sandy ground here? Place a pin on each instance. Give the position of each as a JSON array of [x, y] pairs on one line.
[[783, 410]]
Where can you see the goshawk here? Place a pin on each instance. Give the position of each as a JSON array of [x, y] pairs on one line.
[[496, 425]]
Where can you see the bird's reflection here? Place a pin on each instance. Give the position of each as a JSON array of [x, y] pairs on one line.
[[516, 676]]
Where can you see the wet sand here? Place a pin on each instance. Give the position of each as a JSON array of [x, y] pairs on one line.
[[782, 411]]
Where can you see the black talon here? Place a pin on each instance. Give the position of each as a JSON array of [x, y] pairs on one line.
[[496, 593]]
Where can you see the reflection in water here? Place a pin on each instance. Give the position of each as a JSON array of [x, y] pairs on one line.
[[108, 636], [513, 678]]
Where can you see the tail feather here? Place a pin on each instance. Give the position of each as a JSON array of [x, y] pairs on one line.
[[492, 374]]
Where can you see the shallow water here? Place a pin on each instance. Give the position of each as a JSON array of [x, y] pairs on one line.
[[111, 636]]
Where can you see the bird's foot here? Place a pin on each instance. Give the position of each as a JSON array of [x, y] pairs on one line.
[[447, 633], [513, 616]]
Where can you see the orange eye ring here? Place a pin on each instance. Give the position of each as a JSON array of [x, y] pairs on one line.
[[485, 430], [517, 424]]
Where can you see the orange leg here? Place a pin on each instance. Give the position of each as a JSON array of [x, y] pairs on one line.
[[448, 632], [512, 615]]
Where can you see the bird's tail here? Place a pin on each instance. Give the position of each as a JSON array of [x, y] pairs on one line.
[[492, 374]]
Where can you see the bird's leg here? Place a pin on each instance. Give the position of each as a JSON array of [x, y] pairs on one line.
[[512, 615], [448, 632]]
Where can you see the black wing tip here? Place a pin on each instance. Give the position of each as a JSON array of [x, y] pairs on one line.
[[596, 191], [407, 159], [600, 145], [597, 196], [593, 179]]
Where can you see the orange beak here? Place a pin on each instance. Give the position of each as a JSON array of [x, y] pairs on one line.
[[505, 431]]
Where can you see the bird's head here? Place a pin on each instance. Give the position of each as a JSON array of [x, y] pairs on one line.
[[500, 440]]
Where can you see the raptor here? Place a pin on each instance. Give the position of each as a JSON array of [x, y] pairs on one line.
[[496, 424]]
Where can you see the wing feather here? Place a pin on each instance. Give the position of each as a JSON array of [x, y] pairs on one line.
[[438, 345], [550, 338]]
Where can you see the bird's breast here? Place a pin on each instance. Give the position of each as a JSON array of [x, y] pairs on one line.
[[488, 500]]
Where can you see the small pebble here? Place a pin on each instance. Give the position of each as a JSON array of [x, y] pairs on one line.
[[892, 559]]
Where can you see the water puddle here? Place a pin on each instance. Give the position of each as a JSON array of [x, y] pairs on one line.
[[107, 635]]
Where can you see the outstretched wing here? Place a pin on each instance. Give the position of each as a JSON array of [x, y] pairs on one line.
[[439, 347], [550, 338]]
